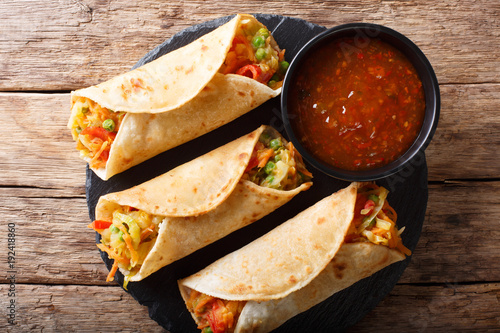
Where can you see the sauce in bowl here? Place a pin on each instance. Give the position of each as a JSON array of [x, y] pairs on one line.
[[356, 108]]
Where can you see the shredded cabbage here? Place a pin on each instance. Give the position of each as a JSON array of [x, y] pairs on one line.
[[383, 224], [380, 226]]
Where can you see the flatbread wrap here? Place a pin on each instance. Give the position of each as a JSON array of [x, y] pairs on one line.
[[338, 241], [178, 97], [164, 219]]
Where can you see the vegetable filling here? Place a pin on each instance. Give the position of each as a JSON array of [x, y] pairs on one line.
[[94, 129], [213, 314], [276, 164], [127, 239], [131, 233], [255, 54], [374, 220]]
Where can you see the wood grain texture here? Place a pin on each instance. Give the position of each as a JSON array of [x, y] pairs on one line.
[[467, 140], [452, 282], [443, 308], [52, 242], [63, 45], [38, 150], [52, 227], [45, 308], [459, 240]]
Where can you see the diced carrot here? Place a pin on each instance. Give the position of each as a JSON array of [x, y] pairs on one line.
[[128, 241], [403, 249], [281, 55], [148, 231], [112, 272], [236, 59], [393, 239], [112, 254], [264, 156], [193, 294], [204, 299]]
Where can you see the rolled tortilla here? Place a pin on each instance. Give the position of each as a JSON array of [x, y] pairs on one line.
[[193, 205], [295, 266], [173, 99]]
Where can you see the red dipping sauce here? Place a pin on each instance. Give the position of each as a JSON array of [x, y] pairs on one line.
[[356, 108]]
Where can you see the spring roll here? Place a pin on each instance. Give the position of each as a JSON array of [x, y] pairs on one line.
[[162, 220], [340, 240], [178, 97]]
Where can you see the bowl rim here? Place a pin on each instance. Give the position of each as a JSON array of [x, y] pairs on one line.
[[432, 108]]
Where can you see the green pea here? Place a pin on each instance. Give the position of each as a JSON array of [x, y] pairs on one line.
[[277, 158], [284, 67], [373, 198], [120, 233], [264, 137], [275, 144], [275, 77], [78, 130], [263, 32], [269, 167], [260, 54], [258, 41], [269, 179], [113, 229], [207, 330], [108, 125], [271, 83]]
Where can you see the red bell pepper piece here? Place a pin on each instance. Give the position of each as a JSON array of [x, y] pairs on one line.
[[98, 132], [369, 205], [215, 320], [251, 71], [99, 225]]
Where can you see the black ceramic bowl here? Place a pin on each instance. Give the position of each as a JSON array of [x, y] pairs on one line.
[[422, 66]]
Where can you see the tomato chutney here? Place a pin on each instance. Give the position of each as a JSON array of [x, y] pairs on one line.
[[356, 108]]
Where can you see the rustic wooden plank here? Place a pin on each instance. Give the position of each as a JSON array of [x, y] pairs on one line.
[[37, 148], [63, 45], [459, 241], [444, 308], [52, 241], [46, 308], [466, 141]]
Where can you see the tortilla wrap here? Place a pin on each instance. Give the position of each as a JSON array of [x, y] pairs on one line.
[[199, 202], [293, 267], [175, 98]]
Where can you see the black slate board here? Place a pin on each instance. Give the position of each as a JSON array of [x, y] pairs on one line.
[[159, 292]]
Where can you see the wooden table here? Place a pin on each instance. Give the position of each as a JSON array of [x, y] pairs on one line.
[[48, 48]]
